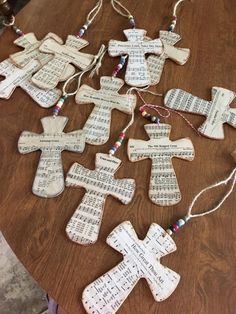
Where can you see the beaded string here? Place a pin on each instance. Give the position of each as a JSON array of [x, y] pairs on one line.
[[94, 66], [172, 26], [158, 109], [90, 18], [122, 135], [123, 11], [181, 222]]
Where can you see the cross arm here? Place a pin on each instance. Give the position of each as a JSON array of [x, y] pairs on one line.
[[164, 283], [28, 142], [125, 103], [74, 141], [117, 48], [86, 95], [136, 151], [153, 46], [169, 38], [183, 149], [76, 176], [178, 99], [122, 235], [6, 67], [45, 99], [26, 41], [159, 242], [123, 190], [77, 43]]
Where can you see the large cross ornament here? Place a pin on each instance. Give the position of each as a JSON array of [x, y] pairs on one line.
[[178, 55], [164, 189], [107, 98], [49, 179], [217, 111], [63, 55], [84, 226], [141, 260], [16, 77], [31, 52], [137, 72]]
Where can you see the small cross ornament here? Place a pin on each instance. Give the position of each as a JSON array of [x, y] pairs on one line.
[[31, 52], [15, 77], [137, 72], [84, 226], [217, 111], [178, 55], [63, 55], [164, 189], [107, 98], [49, 179], [141, 260]]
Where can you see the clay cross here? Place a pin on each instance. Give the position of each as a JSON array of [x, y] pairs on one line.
[[164, 189], [31, 49], [49, 179], [63, 55], [217, 111], [107, 98], [141, 260], [178, 55], [84, 226], [137, 73], [15, 77], [31, 52]]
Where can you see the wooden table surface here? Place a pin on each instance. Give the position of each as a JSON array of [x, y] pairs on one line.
[[35, 227]]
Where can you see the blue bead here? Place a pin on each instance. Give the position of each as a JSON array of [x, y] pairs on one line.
[[180, 223]]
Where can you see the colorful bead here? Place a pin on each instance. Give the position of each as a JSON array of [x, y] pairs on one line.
[[169, 232], [17, 31], [180, 223], [131, 21], [119, 66], [117, 144], [58, 106], [177, 225]]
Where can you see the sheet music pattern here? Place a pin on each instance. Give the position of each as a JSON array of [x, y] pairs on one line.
[[16, 77], [63, 55], [141, 260], [178, 55], [217, 111], [49, 179], [164, 188], [84, 226], [137, 72], [107, 98]]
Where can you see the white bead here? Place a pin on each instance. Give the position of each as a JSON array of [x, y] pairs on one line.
[[169, 232]]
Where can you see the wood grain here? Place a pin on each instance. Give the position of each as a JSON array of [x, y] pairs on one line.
[[35, 228]]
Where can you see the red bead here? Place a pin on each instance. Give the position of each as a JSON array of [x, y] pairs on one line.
[[141, 109], [175, 227], [122, 135]]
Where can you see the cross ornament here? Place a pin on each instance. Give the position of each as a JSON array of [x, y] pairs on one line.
[[49, 178], [31, 52], [63, 55], [137, 72], [107, 98], [164, 188], [15, 77], [84, 226], [217, 111], [178, 55], [141, 260]]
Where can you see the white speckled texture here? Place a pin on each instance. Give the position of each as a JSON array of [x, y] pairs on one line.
[[19, 293]]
